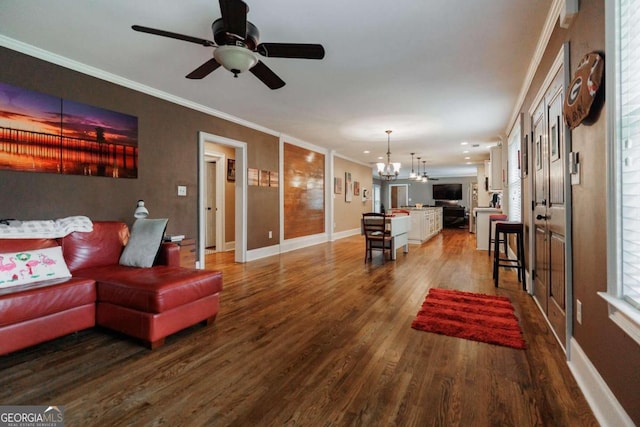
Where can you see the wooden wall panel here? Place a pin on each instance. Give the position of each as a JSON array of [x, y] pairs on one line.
[[303, 182]]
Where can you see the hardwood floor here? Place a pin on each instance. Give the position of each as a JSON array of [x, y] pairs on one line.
[[314, 337]]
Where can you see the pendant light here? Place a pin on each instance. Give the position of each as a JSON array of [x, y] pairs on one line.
[[388, 171], [418, 177], [412, 175], [424, 174]]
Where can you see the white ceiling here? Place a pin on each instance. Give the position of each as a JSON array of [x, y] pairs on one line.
[[436, 72]]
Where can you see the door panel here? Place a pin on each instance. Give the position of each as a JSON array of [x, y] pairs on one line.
[[549, 207], [540, 264], [556, 211]]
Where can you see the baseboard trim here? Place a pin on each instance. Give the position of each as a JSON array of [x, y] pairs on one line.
[[255, 254], [601, 399], [303, 242], [344, 234]]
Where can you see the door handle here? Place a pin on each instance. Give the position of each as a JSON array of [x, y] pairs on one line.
[[208, 209], [542, 217]]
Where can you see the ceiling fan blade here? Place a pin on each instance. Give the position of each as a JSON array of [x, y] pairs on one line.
[[234, 16], [204, 70], [171, 35], [267, 76], [291, 50]]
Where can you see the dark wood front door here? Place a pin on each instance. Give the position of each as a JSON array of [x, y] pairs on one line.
[[549, 222]]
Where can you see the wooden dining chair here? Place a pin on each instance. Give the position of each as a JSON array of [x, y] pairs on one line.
[[376, 234]]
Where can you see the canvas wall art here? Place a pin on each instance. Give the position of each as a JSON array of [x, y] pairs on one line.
[[44, 133]]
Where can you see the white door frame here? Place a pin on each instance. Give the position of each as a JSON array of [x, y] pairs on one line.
[[220, 160], [241, 195], [406, 194]]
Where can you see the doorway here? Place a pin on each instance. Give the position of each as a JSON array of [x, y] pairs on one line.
[[215, 202], [240, 216], [551, 256], [398, 195]]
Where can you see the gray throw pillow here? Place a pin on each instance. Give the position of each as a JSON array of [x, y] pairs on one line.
[[144, 242]]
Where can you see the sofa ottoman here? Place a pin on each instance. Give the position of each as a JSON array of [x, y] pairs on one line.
[[145, 303], [154, 303]]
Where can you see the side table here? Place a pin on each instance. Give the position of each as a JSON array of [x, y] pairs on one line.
[[187, 252]]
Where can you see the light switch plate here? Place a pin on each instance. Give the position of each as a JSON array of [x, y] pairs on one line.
[[182, 190]]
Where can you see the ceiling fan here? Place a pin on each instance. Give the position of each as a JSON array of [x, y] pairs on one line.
[[236, 45], [425, 177]]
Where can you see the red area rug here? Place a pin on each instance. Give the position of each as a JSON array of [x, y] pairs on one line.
[[477, 317]]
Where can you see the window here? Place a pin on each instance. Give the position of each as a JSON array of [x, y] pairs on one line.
[[513, 174], [623, 228]]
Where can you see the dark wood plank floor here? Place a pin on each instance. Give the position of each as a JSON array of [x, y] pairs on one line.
[[314, 337]]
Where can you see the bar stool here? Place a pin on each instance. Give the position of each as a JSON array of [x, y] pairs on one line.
[[492, 219], [507, 228]]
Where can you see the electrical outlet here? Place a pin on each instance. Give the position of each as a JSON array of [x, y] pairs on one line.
[[579, 311], [182, 190], [270, 234]]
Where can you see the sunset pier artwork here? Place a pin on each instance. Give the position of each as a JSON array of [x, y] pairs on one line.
[[43, 133]]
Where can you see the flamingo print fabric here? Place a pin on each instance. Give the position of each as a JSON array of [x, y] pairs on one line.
[[19, 268]]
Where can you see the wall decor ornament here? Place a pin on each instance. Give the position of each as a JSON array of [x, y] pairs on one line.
[[252, 176], [45, 133], [337, 185], [231, 169], [584, 95], [348, 187]]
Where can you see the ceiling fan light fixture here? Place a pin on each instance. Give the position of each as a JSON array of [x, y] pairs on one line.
[[236, 59]]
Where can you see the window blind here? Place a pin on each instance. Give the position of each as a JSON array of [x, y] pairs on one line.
[[629, 149], [513, 174]]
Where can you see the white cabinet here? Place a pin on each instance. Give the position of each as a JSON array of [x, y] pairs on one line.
[[494, 168], [425, 223]]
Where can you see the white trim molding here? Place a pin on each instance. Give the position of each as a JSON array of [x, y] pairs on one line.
[[346, 233], [601, 399], [303, 242], [121, 81]]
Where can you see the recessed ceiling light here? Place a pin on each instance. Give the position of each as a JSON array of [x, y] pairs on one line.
[[366, 151], [467, 158], [380, 158], [469, 163], [464, 143], [465, 151]]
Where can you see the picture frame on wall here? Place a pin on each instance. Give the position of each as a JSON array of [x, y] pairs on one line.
[[47, 134], [252, 176], [273, 179], [356, 188], [231, 170], [337, 185], [264, 178], [348, 187]]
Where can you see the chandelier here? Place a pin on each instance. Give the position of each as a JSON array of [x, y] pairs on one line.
[[388, 171]]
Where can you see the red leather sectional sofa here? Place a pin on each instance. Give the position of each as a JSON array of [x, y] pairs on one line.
[[145, 303]]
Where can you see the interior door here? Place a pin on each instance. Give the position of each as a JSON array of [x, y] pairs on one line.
[[399, 195], [549, 207], [210, 223]]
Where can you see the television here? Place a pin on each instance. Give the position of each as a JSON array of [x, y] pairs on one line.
[[447, 191]]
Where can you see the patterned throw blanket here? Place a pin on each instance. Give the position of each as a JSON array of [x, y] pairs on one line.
[[49, 229]]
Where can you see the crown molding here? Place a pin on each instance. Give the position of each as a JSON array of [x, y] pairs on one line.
[[62, 61], [545, 36]]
